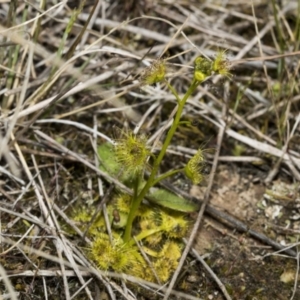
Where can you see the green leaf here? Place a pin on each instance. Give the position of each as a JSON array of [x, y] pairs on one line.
[[169, 200], [110, 165]]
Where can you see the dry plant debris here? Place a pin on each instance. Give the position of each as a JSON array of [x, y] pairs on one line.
[[71, 72]]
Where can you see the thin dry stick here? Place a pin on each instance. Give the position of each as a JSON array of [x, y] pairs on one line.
[[211, 272], [296, 276], [199, 218], [179, 30], [45, 288], [81, 288], [145, 116], [12, 293], [146, 258], [18, 242], [55, 272]]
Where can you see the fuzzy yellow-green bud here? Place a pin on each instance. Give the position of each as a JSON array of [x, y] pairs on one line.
[[221, 64], [154, 239], [193, 169], [172, 251], [123, 203], [108, 255], [150, 219], [117, 256], [151, 216], [163, 269], [174, 224], [155, 73], [168, 260], [144, 271], [132, 152], [202, 68]]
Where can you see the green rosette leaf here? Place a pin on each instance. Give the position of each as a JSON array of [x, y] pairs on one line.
[[110, 165], [169, 200]]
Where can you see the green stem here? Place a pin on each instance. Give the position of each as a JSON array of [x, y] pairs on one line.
[[136, 186], [137, 201], [173, 91], [166, 175], [143, 234]]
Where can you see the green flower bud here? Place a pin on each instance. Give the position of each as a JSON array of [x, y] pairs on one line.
[[202, 68], [221, 64], [156, 72], [193, 169], [132, 152]]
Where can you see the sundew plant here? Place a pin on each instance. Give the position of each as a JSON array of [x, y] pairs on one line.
[[161, 225]]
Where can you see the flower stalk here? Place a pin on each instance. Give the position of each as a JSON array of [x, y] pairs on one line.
[[151, 180]]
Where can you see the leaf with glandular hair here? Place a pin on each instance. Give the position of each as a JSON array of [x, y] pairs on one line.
[[110, 165]]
